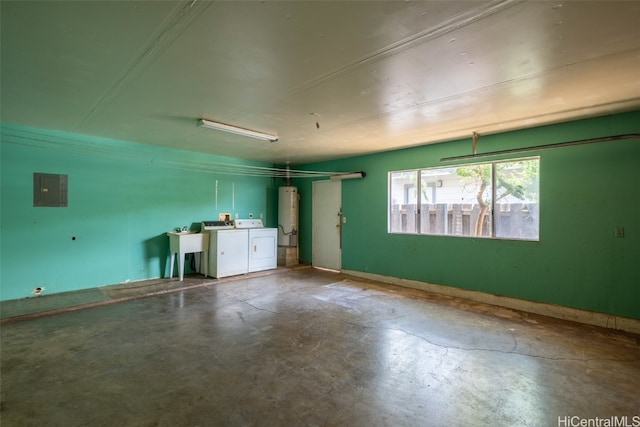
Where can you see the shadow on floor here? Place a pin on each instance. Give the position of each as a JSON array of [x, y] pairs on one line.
[[44, 305]]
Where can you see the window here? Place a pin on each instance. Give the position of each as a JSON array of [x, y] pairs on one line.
[[494, 199]]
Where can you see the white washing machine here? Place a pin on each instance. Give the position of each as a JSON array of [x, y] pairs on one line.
[[228, 249], [263, 244]]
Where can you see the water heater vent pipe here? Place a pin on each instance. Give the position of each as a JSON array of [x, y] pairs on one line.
[[350, 175]]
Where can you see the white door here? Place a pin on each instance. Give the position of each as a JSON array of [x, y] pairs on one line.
[[326, 225]]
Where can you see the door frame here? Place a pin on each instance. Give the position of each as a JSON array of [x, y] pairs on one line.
[[326, 247]]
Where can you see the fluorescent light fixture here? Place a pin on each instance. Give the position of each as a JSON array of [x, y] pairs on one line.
[[237, 130]]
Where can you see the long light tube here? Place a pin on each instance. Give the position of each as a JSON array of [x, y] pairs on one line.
[[237, 130]]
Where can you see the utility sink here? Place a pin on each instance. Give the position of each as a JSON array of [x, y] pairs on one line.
[[186, 242]]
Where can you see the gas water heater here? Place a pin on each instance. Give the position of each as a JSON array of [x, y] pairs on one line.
[[288, 216], [288, 225]]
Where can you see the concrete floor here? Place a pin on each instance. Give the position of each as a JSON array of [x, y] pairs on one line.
[[310, 348]]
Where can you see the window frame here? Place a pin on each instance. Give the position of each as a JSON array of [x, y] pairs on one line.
[[418, 172]]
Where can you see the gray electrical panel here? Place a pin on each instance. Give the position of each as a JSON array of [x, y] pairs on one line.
[[49, 189]]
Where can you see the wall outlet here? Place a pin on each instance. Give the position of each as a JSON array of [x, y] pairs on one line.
[[618, 231]]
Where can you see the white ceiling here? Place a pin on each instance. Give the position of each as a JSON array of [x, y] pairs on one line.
[[330, 78]]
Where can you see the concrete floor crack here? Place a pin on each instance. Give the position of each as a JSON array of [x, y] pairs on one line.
[[493, 350], [252, 305], [258, 308]]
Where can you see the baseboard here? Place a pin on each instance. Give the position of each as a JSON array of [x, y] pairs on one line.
[[557, 311]]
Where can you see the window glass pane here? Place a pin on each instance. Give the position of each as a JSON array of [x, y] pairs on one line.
[[517, 199], [403, 199], [458, 201]]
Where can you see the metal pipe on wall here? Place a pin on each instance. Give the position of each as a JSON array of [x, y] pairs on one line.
[[351, 175], [544, 147]]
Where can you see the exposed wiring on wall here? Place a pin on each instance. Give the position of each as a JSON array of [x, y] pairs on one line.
[[116, 150]]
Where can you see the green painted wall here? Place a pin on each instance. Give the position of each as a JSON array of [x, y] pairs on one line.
[[122, 199], [586, 191]]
